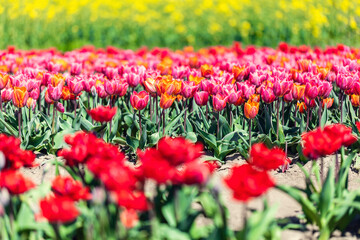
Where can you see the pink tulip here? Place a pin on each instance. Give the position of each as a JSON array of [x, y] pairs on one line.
[[139, 100], [188, 89], [201, 98], [55, 92], [219, 102], [267, 95]]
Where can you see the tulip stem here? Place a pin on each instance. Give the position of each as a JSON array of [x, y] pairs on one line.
[[185, 107], [307, 119], [110, 126], [283, 112], [163, 120], [53, 120], [140, 128], [75, 106], [207, 112], [250, 125], [151, 108], [157, 112], [341, 107], [319, 112], [277, 118], [56, 230], [19, 122], [218, 126], [1, 107]]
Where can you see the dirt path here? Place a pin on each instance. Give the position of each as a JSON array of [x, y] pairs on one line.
[[287, 207]]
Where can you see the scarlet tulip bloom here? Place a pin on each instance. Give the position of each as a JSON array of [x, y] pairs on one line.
[[58, 210], [342, 133], [247, 182], [15, 182], [166, 100], [139, 100], [219, 102], [68, 187], [323, 142], [201, 98], [15, 157], [20, 96], [251, 109], [102, 114], [161, 164], [267, 159]]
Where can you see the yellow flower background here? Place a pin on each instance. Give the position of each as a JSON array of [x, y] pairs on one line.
[[175, 23]]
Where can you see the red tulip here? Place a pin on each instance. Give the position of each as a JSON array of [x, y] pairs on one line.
[[68, 187], [58, 209], [139, 100], [247, 182], [15, 182], [102, 114], [267, 159]]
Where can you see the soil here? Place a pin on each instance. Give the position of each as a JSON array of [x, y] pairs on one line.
[[288, 209]]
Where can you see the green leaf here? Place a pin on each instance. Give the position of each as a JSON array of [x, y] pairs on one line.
[[170, 233], [132, 142], [191, 136], [324, 116], [169, 214], [173, 122], [327, 194], [12, 130], [308, 208]]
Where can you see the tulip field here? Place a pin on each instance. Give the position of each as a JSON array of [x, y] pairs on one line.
[[120, 121]]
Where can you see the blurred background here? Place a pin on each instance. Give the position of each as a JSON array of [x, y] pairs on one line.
[[174, 23]]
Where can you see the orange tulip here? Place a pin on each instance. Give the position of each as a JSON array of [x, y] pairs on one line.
[[302, 107], [239, 72], [20, 96], [57, 79], [196, 80], [4, 79], [251, 109], [323, 71], [207, 70], [166, 100], [328, 101], [298, 91], [355, 100], [150, 85], [129, 218]]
